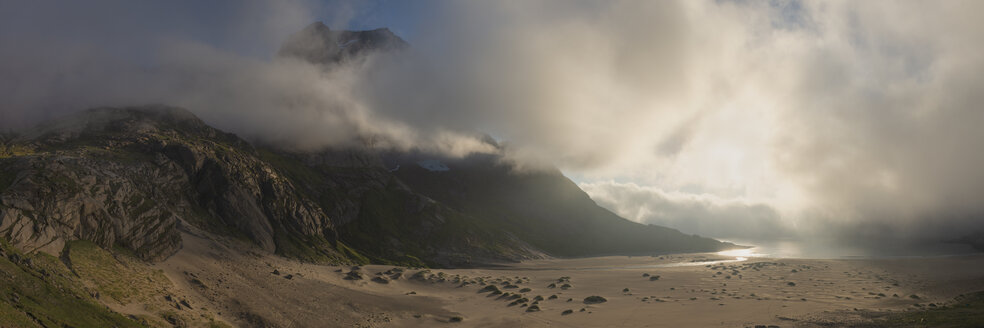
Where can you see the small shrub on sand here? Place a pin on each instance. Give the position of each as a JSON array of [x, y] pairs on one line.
[[354, 275], [519, 301], [594, 300]]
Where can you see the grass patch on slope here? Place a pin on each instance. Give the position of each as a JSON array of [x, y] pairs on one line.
[[39, 291], [314, 249], [119, 277]]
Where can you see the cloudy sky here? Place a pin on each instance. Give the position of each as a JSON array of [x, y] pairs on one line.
[[838, 120]]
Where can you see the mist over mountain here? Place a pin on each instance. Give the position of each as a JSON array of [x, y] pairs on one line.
[[312, 163], [808, 119], [132, 177], [318, 44]]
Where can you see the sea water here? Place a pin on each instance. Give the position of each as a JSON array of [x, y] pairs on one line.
[[839, 250]]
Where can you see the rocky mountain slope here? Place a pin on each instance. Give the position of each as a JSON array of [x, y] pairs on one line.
[[90, 202], [543, 208], [129, 177]]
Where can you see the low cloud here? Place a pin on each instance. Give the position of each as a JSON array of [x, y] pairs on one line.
[[702, 214], [852, 119]]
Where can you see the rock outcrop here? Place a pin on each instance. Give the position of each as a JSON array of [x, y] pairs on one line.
[[129, 177]]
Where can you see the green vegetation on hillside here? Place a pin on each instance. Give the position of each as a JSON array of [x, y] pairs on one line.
[[39, 291], [119, 277], [315, 249], [11, 150]]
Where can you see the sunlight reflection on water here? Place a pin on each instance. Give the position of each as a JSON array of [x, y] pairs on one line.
[[686, 264], [741, 253], [834, 250], [794, 249], [803, 250]]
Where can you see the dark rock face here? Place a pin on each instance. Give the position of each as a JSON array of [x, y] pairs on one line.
[[248, 195], [543, 208], [63, 198], [379, 215], [318, 44], [129, 177]]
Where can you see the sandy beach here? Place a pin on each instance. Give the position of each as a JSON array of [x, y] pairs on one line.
[[245, 288]]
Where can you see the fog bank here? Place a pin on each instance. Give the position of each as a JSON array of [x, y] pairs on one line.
[[851, 120]]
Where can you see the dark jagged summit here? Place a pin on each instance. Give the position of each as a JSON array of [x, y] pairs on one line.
[[318, 44]]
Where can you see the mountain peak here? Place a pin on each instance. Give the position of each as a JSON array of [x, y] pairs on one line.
[[133, 120], [317, 26], [318, 44]]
